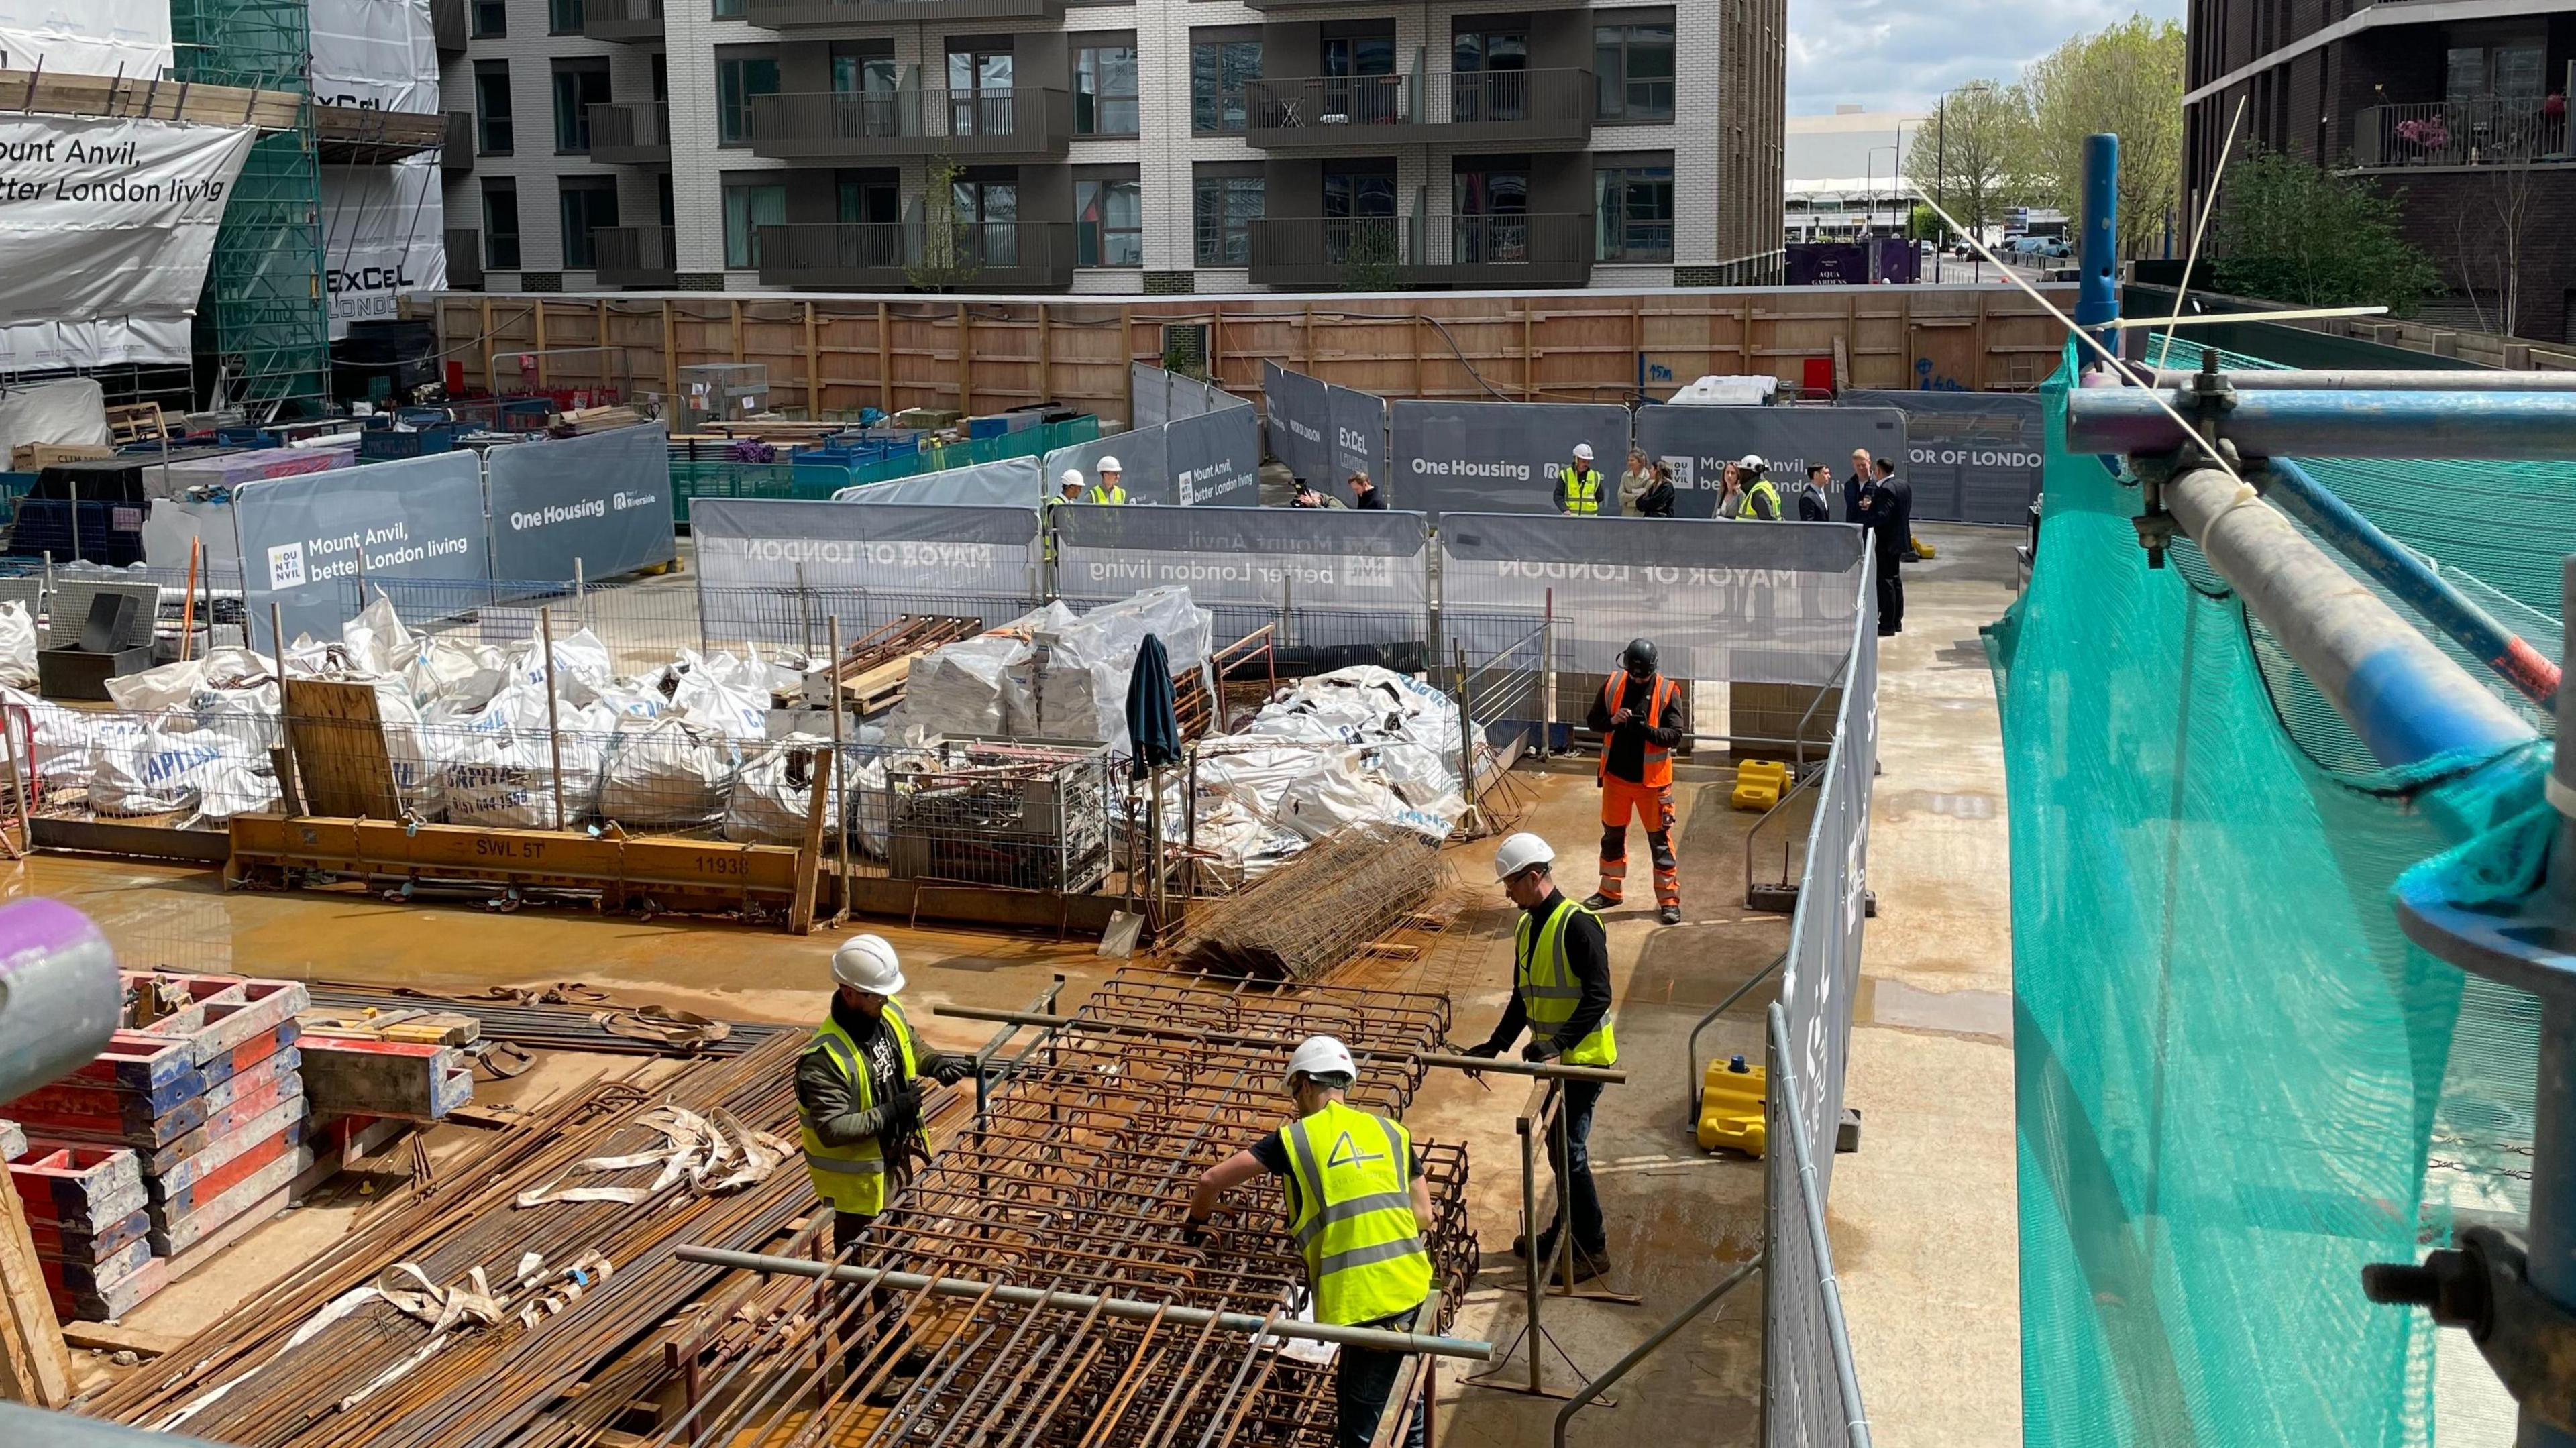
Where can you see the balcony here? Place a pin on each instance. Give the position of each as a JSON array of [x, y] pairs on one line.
[[1527, 110], [464, 258], [1027, 124], [456, 145], [621, 19], [631, 134], [635, 256], [447, 25], [2485, 132], [790, 14], [1385, 253], [896, 256]]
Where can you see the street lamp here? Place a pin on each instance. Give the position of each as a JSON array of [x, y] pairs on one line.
[[1869, 177]]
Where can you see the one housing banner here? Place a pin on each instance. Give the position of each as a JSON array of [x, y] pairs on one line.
[[105, 230], [581, 507]]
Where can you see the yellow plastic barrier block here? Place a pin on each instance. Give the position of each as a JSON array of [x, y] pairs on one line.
[[1758, 783], [1730, 1107]]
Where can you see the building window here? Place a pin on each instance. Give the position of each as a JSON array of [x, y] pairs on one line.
[[500, 223], [1634, 211], [1109, 221], [2516, 71], [579, 85], [563, 17], [589, 206], [737, 81], [749, 206], [491, 19], [1224, 203], [1632, 68], [1104, 89], [728, 9], [1219, 70], [492, 107]]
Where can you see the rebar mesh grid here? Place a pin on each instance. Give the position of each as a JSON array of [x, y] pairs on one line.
[[1076, 1178], [1309, 915]]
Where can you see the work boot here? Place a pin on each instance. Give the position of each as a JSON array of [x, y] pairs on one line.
[[1598, 901], [1591, 1262], [1670, 915], [1520, 1247]]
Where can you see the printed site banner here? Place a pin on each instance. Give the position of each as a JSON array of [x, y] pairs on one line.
[[375, 55], [1215, 458], [602, 500], [307, 542], [105, 230], [1973, 457], [952, 559], [1699, 441], [383, 238], [1322, 432], [1499, 457], [1374, 565]]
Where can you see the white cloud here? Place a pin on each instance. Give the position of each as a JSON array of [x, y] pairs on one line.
[[1901, 55]]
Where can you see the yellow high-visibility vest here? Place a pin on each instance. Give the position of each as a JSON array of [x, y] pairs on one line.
[[1355, 1222], [853, 1178], [1549, 989]]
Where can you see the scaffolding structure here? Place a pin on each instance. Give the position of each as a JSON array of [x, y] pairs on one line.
[[262, 325]]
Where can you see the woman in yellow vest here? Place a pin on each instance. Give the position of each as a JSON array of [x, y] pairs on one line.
[[858, 1092], [1561, 996], [1356, 1205]]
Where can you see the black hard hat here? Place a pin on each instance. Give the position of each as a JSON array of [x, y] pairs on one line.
[[1639, 656]]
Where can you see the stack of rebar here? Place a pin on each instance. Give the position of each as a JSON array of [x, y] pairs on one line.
[[566, 1018], [1076, 1179], [1313, 913]]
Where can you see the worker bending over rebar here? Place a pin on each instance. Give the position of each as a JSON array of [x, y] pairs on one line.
[[1356, 1205]]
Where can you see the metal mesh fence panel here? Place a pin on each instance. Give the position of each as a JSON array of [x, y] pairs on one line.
[[1740, 602]]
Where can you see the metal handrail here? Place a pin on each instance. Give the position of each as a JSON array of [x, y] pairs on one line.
[[1620, 1369], [1690, 1050], [1796, 788], [1842, 673]]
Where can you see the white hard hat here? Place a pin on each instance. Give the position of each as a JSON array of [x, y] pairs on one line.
[[1583, 452], [1751, 460], [1072, 478], [866, 962], [1520, 852], [1107, 465], [1322, 1056]]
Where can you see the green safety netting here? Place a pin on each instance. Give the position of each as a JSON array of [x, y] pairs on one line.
[[2236, 1083], [725, 478]]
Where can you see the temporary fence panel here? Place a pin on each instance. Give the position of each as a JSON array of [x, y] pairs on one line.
[[1485, 457], [1823, 968], [1140, 460], [1009, 483], [309, 542], [1215, 458], [1697, 442], [1322, 432], [776, 570], [1161, 397], [1740, 602], [593, 506], [1973, 457], [1330, 579]]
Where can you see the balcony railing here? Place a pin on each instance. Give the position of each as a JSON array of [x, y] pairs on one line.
[[2486, 132], [456, 149], [1029, 122], [635, 256], [1524, 109], [789, 14], [621, 19], [464, 257], [1370, 253], [631, 133], [896, 256], [447, 25]]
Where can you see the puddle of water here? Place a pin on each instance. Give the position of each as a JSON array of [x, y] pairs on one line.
[[1958, 1012]]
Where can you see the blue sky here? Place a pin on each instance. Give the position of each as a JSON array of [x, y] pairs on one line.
[[1900, 55]]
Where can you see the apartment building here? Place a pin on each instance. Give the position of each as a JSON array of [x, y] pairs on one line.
[[2458, 108], [1168, 146]]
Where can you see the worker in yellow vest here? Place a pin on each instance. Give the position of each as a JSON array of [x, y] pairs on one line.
[[1104, 486], [858, 1087], [1578, 485], [1356, 1205], [1760, 500], [1561, 996]]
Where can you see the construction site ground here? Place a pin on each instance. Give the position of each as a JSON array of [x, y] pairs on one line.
[[1922, 1217]]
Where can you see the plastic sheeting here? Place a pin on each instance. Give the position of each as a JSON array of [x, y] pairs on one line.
[[73, 410], [1009, 483], [1050, 673]]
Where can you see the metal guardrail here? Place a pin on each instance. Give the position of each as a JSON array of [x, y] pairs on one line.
[[786, 14], [636, 133], [621, 19], [1028, 121], [2488, 131], [1538, 109], [636, 256], [1544, 249]]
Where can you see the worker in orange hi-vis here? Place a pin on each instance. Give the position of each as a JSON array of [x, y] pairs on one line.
[[1640, 716]]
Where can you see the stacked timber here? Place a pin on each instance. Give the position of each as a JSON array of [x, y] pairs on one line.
[[201, 1101]]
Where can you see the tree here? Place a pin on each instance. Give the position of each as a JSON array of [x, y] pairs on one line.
[[948, 259], [2126, 80], [2490, 240], [1967, 156], [2287, 231]]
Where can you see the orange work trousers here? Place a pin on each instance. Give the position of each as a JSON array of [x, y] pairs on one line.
[[1652, 805]]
